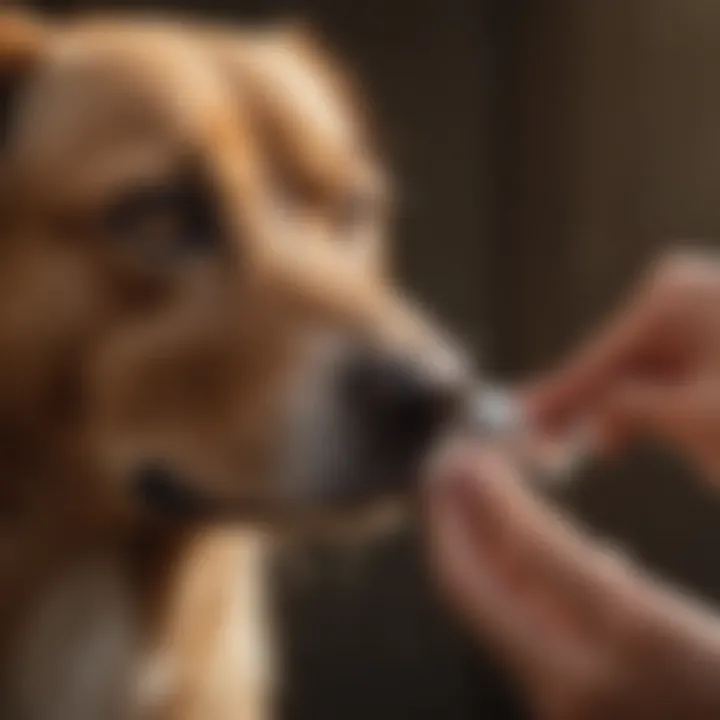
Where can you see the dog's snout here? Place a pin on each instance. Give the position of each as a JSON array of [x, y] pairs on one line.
[[403, 402]]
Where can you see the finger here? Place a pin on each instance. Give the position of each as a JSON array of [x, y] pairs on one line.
[[541, 547], [470, 581], [568, 392], [684, 414]]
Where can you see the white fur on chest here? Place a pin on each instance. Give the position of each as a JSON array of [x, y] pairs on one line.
[[83, 655], [76, 658]]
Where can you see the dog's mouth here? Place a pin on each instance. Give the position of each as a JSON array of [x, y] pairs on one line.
[[167, 495], [364, 470]]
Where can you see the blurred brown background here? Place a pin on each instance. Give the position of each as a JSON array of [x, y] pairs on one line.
[[546, 149]]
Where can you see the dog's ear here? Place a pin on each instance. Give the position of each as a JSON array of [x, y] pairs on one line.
[[313, 50], [311, 47], [300, 34], [23, 41]]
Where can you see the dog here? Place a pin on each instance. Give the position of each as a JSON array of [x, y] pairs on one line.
[[200, 346]]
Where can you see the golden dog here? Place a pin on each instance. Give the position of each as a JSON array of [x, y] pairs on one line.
[[198, 342]]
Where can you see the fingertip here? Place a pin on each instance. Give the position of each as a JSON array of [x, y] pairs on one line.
[[493, 465], [446, 462], [463, 462]]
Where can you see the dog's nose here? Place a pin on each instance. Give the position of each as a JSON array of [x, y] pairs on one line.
[[403, 403]]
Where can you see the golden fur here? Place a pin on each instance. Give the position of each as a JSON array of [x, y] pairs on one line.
[[103, 613]]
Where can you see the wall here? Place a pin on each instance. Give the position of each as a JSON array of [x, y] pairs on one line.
[[607, 150]]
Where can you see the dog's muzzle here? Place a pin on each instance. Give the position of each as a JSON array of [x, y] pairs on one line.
[[357, 424]]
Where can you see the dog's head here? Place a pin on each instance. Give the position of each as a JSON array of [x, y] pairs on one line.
[[194, 310]]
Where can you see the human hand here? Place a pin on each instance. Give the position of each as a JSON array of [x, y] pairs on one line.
[[586, 635], [654, 370]]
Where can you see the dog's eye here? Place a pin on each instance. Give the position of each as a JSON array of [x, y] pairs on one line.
[[164, 220]]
